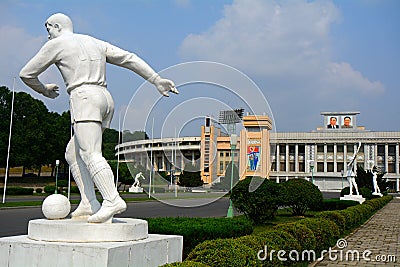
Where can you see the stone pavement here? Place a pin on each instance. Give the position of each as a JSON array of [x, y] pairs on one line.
[[378, 239]]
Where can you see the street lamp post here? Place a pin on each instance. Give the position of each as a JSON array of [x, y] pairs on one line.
[[230, 118], [342, 173], [312, 165], [233, 141], [57, 163]]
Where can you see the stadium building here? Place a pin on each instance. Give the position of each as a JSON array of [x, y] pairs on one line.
[[320, 155]]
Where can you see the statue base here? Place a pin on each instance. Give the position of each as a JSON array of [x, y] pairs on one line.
[[120, 230], [152, 250], [358, 198], [135, 190], [377, 194]]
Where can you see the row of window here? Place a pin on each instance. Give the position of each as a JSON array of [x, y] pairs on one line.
[[320, 167], [330, 149]]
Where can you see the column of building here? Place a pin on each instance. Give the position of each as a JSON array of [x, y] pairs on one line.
[[397, 167], [296, 158]]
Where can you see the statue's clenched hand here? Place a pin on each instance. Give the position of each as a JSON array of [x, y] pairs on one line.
[[51, 90]]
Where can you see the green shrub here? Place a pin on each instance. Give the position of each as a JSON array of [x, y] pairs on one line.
[[197, 230], [277, 240], [365, 192], [335, 204], [49, 189], [334, 216], [264, 246], [186, 264], [301, 195], [62, 183], [259, 205], [300, 232], [39, 190], [325, 231], [224, 253], [378, 203], [18, 191], [357, 215], [258, 244], [350, 219], [74, 189], [345, 191]]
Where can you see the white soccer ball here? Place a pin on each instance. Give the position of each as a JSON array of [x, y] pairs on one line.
[[56, 206]]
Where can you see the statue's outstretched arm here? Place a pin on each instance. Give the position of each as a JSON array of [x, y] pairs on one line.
[[131, 61]]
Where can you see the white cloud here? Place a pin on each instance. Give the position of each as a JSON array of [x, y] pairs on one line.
[[288, 42], [17, 48]]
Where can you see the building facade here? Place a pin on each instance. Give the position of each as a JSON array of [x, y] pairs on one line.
[[321, 155]]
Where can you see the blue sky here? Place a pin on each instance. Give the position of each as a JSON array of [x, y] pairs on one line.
[[305, 56]]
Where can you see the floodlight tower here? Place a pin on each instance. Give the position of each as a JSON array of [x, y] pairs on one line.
[[230, 118]]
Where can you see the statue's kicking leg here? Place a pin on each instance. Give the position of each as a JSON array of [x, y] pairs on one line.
[[89, 137], [89, 204], [355, 185]]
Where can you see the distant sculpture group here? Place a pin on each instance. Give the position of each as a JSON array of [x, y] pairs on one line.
[[351, 176], [82, 59]]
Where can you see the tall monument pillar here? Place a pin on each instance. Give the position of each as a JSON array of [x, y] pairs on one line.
[[255, 146]]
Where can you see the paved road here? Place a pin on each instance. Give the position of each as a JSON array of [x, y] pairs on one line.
[[14, 221]]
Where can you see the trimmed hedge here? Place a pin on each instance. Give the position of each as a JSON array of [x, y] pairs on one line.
[[304, 236], [318, 233], [257, 243], [335, 204], [334, 216], [280, 239], [356, 215], [74, 189], [18, 191], [197, 230], [326, 232], [224, 253], [186, 264], [49, 189]]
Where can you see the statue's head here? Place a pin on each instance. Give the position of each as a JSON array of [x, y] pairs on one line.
[[58, 24]]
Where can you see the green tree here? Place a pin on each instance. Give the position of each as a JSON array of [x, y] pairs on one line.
[[127, 136], [301, 195], [31, 135], [5, 110], [364, 179], [258, 205], [39, 137], [225, 182], [110, 140], [190, 176]]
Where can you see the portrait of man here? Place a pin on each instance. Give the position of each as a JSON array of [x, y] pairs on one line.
[[332, 123], [347, 122]]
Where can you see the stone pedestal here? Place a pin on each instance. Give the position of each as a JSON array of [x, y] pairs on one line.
[[135, 190], [125, 242], [358, 198], [120, 230]]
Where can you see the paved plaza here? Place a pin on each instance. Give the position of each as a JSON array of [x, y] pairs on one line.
[[378, 240]]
